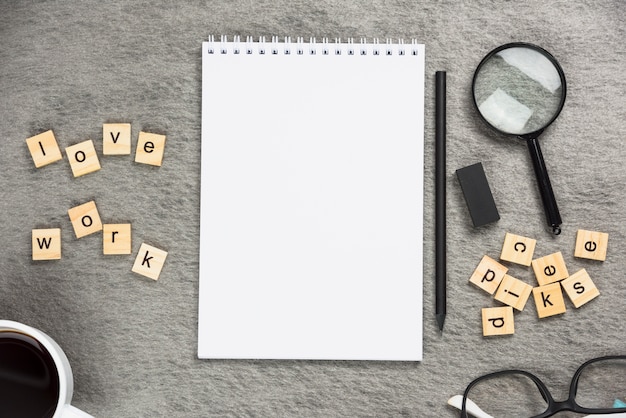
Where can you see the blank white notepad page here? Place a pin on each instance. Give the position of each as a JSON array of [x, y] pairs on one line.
[[311, 201]]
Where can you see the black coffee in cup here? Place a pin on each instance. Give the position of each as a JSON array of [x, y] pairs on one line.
[[29, 380]]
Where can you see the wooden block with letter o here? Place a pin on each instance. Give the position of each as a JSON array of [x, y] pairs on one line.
[[85, 219], [83, 158], [591, 245], [488, 274], [518, 249], [498, 321]]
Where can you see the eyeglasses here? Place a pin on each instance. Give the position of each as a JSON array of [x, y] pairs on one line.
[[520, 394]]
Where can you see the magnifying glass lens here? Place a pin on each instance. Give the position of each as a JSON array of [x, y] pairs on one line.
[[519, 90]]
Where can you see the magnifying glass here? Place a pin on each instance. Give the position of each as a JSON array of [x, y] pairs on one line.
[[519, 90]]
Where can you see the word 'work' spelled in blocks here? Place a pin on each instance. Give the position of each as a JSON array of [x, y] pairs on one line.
[[44, 149], [488, 274], [518, 249], [83, 158], [85, 219], [549, 300], [513, 292], [498, 321], [550, 269], [116, 239], [150, 149], [116, 139], [46, 244], [591, 245], [580, 288], [149, 261]]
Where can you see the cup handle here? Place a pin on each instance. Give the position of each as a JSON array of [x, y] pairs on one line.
[[70, 411]]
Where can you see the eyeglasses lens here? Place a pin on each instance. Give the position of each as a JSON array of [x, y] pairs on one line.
[[601, 383], [510, 395]]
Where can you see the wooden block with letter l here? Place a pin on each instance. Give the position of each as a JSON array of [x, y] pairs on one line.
[[116, 239], [550, 269], [44, 149], [518, 249], [580, 288], [46, 244], [591, 245], [150, 149], [513, 292], [488, 274], [116, 138], [83, 158], [149, 261], [549, 300], [498, 321], [85, 219]]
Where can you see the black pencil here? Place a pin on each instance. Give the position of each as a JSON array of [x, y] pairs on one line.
[[440, 198]]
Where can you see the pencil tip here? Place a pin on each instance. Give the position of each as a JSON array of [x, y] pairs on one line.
[[440, 320]]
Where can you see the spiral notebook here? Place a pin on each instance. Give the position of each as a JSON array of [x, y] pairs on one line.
[[311, 200]]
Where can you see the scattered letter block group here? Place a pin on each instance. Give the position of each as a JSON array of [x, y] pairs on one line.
[[550, 272]]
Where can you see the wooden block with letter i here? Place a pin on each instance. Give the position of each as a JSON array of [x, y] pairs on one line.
[[498, 321], [149, 261], [44, 149], [580, 288], [518, 249], [116, 138], [85, 219], [550, 269], [513, 292], [488, 274], [83, 158], [116, 239], [150, 148], [46, 244], [549, 300], [591, 245]]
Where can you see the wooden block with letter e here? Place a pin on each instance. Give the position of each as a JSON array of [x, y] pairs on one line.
[[591, 245], [550, 269], [44, 148], [498, 321], [518, 249], [488, 274], [150, 148], [580, 288], [83, 158], [549, 300], [46, 244]]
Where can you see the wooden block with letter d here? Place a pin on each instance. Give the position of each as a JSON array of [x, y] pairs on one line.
[[591, 245], [46, 244], [488, 274], [518, 249], [498, 321]]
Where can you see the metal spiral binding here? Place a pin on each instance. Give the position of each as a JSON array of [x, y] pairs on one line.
[[311, 47]]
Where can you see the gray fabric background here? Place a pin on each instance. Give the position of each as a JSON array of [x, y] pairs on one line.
[[71, 66]]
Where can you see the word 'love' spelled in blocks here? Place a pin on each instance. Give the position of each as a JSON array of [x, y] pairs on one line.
[[580, 288], [550, 269], [498, 321], [46, 244], [149, 261], [44, 149], [488, 274], [591, 245], [518, 249]]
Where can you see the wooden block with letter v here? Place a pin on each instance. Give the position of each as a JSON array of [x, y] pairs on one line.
[[116, 138], [498, 321], [518, 249], [149, 261], [580, 288], [591, 245], [44, 149], [488, 274], [550, 269], [46, 244], [83, 158]]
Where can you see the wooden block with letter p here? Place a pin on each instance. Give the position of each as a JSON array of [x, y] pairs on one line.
[[150, 148], [488, 274], [550, 269], [44, 148], [46, 244], [518, 249], [580, 288], [498, 321], [591, 245]]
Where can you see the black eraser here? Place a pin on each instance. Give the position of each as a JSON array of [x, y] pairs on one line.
[[477, 194]]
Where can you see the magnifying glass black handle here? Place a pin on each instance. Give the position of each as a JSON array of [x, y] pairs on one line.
[[545, 188]]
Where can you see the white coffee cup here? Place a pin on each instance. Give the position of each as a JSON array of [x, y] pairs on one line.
[[66, 380]]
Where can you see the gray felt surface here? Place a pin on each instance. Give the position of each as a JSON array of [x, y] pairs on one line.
[[71, 66]]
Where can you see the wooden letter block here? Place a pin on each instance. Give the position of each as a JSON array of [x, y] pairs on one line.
[[46, 244], [488, 274], [518, 249], [550, 269], [591, 244], [498, 321], [580, 288], [549, 300], [85, 219], [116, 239], [44, 149], [150, 148], [149, 261], [116, 138], [83, 158], [513, 292]]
